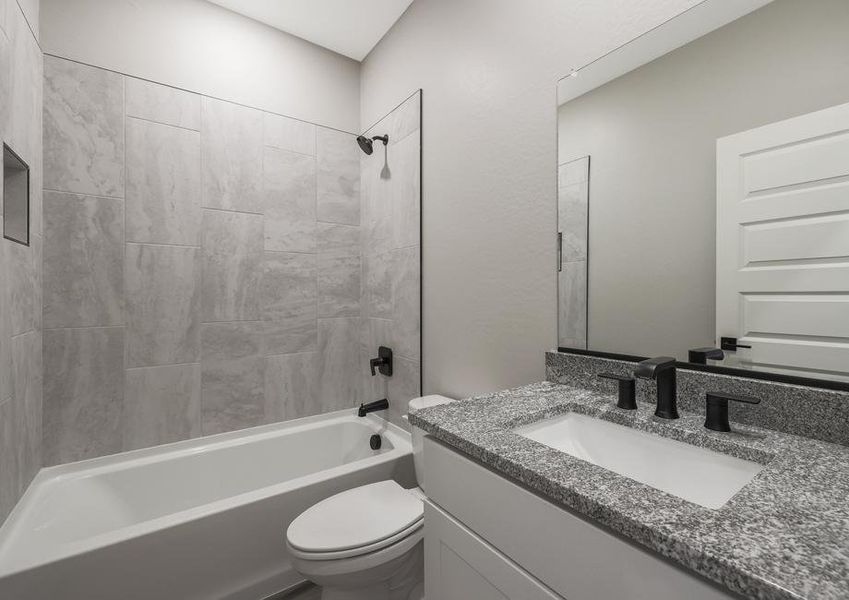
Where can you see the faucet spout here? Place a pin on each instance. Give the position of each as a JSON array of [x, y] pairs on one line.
[[662, 370], [372, 407]]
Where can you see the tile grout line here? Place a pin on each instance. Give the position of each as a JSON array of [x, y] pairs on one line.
[[83, 195], [154, 121], [183, 364]]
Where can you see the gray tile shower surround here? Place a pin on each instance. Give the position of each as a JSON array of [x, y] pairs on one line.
[[230, 251], [785, 535]]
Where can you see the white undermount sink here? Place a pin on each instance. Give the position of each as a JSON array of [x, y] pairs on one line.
[[695, 474]]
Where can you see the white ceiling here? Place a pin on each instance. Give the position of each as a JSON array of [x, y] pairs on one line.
[[349, 27]]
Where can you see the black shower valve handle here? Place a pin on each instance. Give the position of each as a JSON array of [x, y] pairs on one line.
[[383, 362]]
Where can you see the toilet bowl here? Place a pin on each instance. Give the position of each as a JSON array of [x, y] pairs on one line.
[[366, 543]]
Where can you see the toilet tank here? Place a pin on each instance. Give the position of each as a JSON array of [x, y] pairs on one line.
[[418, 435]]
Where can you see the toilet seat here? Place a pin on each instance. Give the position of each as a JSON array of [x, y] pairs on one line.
[[356, 522]]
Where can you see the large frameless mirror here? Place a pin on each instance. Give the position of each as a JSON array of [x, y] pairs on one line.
[[703, 203]]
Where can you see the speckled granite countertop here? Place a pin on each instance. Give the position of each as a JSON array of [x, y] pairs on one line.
[[784, 535]]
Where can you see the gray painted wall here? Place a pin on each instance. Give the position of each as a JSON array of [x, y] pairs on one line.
[[198, 46], [202, 265], [20, 266], [489, 70], [652, 138]]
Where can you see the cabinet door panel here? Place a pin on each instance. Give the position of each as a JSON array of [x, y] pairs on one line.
[[570, 555], [461, 566]]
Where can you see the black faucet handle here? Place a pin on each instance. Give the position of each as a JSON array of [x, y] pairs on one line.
[[716, 409], [627, 390]]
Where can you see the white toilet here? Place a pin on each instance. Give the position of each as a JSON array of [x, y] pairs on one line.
[[366, 543]]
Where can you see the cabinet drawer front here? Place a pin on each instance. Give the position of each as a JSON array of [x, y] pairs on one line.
[[461, 566], [573, 557]]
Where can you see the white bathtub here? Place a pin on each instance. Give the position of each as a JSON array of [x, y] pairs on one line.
[[196, 520]]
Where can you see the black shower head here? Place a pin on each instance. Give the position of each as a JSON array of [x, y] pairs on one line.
[[367, 145]]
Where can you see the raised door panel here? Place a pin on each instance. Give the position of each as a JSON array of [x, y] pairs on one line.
[[783, 244]]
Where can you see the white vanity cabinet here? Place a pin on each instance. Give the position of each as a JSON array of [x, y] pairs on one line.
[[489, 538]]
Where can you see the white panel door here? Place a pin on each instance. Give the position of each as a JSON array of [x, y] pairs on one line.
[[782, 244]]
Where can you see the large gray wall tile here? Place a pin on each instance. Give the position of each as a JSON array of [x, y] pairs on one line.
[[21, 282], [5, 85], [377, 281], [5, 328], [289, 205], [27, 399], [232, 266], [83, 261], [289, 134], [83, 129], [9, 492], [233, 376], [163, 305], [406, 293], [162, 103], [163, 184], [338, 177], [405, 160], [339, 370], [289, 295], [161, 405], [291, 386], [338, 285], [83, 393], [232, 156], [341, 240]]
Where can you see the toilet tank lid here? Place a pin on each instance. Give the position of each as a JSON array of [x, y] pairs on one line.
[[428, 401]]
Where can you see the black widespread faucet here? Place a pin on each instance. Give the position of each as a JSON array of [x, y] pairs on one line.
[[662, 370]]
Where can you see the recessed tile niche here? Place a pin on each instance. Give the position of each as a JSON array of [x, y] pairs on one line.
[[15, 197]]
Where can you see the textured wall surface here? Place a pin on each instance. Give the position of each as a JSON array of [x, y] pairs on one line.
[[202, 47], [202, 265], [20, 266], [391, 249], [488, 69]]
